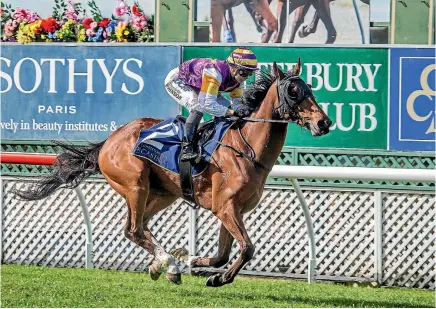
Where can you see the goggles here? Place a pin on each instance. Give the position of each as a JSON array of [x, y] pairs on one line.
[[245, 73]]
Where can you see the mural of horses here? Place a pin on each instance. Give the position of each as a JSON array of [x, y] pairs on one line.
[[322, 12], [261, 7], [229, 187]]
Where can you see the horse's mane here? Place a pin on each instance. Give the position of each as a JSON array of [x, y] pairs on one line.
[[256, 92]]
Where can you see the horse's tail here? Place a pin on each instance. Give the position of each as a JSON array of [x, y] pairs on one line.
[[69, 170]]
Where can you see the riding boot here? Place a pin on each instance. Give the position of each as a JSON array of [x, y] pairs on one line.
[[191, 125]]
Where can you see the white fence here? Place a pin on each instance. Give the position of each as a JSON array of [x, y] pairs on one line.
[[360, 235]]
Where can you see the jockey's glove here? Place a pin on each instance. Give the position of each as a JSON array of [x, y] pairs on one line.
[[242, 111]]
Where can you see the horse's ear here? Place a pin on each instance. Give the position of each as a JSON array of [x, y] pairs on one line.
[[277, 72], [297, 68]]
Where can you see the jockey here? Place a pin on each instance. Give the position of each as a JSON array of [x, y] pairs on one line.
[[197, 84]]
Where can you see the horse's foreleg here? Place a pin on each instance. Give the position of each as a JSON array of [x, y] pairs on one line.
[[217, 14], [253, 16], [323, 9], [281, 15], [301, 11], [224, 248], [232, 220], [263, 9]]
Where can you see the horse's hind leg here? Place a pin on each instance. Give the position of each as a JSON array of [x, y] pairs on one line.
[[298, 20], [217, 15], [262, 8], [134, 230], [323, 9], [156, 203]]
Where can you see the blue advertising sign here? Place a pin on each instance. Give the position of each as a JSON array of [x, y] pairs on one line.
[[412, 99], [82, 92]]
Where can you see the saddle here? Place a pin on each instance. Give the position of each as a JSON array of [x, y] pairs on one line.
[[161, 144]]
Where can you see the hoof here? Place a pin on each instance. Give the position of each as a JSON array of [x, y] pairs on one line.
[[174, 278], [214, 281], [303, 31], [155, 270]]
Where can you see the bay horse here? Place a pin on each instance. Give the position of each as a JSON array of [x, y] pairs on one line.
[[219, 7], [302, 6], [322, 11], [230, 186]]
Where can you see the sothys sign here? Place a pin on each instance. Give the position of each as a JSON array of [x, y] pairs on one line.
[[349, 83], [82, 92]]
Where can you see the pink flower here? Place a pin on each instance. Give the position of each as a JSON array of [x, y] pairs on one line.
[[23, 14], [89, 32], [10, 27], [20, 14], [33, 17], [93, 25], [139, 23], [122, 9], [71, 14]]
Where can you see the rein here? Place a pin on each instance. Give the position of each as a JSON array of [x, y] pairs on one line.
[[252, 155]]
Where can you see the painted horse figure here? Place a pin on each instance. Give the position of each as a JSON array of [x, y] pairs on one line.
[[218, 8], [322, 12], [148, 188]]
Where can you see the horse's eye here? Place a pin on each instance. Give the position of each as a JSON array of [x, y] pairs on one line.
[[294, 94]]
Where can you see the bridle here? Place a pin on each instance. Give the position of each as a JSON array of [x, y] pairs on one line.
[[287, 105]]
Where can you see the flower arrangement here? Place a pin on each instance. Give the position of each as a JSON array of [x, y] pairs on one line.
[[70, 23]]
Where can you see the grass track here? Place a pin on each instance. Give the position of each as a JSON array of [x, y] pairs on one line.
[[31, 286]]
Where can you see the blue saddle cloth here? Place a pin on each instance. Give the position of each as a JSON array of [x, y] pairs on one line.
[[161, 144]]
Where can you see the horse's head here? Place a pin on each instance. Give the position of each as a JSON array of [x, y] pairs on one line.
[[297, 103]]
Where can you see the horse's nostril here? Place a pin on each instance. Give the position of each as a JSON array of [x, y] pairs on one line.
[[324, 124]]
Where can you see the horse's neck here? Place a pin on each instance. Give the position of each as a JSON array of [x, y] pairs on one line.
[[266, 139]]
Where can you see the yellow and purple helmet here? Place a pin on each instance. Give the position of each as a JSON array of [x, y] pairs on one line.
[[243, 58]]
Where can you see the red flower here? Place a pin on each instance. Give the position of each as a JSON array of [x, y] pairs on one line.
[[49, 24], [136, 11], [104, 22], [87, 22]]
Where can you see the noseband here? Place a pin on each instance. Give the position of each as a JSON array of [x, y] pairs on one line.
[[288, 106]]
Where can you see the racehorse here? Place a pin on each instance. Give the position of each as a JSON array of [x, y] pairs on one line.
[[230, 186], [302, 6], [322, 12], [218, 8]]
